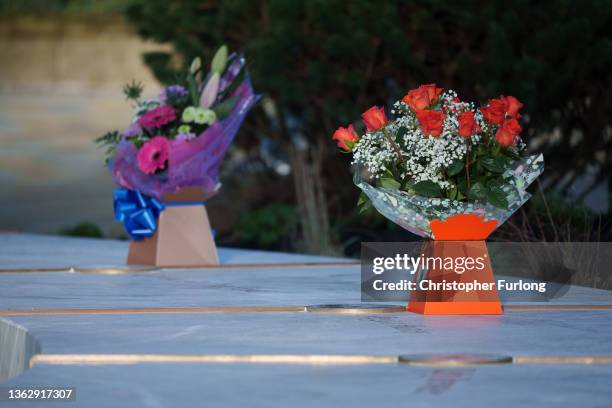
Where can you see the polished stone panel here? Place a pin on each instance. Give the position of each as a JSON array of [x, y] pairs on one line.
[[113, 328], [48, 251], [514, 333], [286, 385]]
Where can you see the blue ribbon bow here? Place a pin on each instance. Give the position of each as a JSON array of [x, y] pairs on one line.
[[137, 212]]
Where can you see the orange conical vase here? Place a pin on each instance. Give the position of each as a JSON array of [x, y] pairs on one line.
[[457, 239]]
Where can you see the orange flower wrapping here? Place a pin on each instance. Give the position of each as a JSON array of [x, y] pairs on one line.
[[462, 227]]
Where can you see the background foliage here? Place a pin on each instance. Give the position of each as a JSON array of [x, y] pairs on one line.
[[323, 62]]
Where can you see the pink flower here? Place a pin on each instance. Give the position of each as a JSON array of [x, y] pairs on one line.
[[153, 155], [157, 117]]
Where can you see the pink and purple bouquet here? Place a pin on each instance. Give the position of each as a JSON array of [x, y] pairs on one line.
[[179, 139]]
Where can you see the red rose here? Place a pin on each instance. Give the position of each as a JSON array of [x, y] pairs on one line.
[[507, 133], [345, 137], [433, 92], [467, 124], [513, 125], [422, 97], [417, 99], [495, 111], [431, 122], [374, 118], [513, 105]]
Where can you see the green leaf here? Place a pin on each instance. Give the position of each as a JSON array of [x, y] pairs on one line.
[[399, 136], [511, 153], [494, 165], [497, 197], [477, 192], [390, 183], [108, 141], [475, 169], [363, 203], [390, 172], [462, 187], [427, 188], [133, 90], [455, 168], [219, 60], [495, 182], [223, 109], [193, 90]]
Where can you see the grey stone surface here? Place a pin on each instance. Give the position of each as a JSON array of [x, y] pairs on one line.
[[296, 386], [295, 286], [48, 251], [516, 333], [17, 346]]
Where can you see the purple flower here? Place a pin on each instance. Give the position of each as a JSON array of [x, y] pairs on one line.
[[132, 131], [185, 136], [173, 93]]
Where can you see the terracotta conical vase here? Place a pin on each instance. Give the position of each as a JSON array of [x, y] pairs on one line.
[[183, 237]]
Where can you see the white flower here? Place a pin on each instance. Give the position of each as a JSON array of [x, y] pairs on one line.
[[424, 157], [189, 114], [204, 116]]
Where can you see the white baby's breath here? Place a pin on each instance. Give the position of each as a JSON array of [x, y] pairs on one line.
[[424, 157]]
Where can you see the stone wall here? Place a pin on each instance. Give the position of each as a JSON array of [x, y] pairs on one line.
[[84, 51], [60, 87]]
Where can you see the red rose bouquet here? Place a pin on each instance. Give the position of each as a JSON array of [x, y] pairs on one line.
[[441, 156], [442, 168]]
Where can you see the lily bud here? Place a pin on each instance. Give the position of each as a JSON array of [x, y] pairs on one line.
[[196, 64], [219, 60], [209, 94]]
